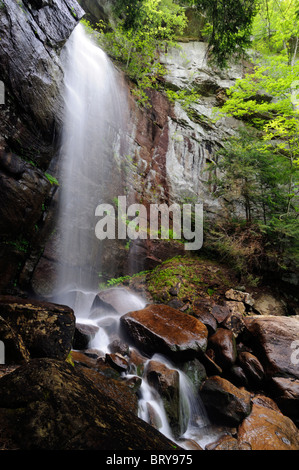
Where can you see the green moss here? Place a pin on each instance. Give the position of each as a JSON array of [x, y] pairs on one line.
[[185, 279]]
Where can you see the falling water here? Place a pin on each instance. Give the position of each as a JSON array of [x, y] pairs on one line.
[[94, 109]]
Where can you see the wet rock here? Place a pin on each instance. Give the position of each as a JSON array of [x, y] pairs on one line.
[[252, 367], [237, 376], [272, 337], [119, 346], [166, 381], [223, 344], [265, 401], [228, 443], [203, 311], [266, 429], [224, 401], [195, 371], [267, 304], [239, 296], [285, 391], [162, 329], [220, 313], [137, 362], [117, 361], [46, 329], [83, 335], [235, 308], [15, 351], [57, 408], [22, 198], [115, 300], [235, 323]]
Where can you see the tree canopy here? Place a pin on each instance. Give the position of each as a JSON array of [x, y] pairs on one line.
[[229, 25]]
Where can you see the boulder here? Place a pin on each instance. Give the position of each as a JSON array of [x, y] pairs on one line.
[[224, 401], [239, 296], [162, 329], [252, 367], [46, 329], [220, 313], [117, 362], [224, 345], [267, 304], [117, 300], [30, 64], [195, 371], [285, 391], [15, 352], [273, 338], [108, 380], [48, 405], [83, 335], [267, 429], [228, 442]]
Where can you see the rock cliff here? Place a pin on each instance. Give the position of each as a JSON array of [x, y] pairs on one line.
[[32, 36]]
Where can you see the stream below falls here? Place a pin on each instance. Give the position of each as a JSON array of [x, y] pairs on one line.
[[194, 421]]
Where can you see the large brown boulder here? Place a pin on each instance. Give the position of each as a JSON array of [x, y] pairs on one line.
[[273, 337], [268, 429], [46, 329], [48, 405], [165, 330], [224, 401]]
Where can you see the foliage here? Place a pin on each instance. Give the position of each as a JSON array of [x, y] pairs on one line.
[[51, 179], [254, 176], [140, 31], [228, 26], [260, 173], [276, 28]]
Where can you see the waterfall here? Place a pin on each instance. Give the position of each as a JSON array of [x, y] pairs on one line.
[[95, 110], [93, 123]]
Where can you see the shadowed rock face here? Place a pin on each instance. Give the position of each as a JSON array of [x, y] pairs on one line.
[[48, 405], [46, 329], [32, 37], [165, 330]]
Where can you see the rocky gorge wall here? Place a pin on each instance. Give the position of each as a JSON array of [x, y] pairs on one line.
[[166, 154], [32, 36]]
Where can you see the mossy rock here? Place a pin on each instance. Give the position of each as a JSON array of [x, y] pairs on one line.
[[184, 280]]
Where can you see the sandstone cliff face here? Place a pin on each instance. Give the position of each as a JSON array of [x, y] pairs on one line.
[[32, 35]]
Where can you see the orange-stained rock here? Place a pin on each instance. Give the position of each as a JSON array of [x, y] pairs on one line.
[[266, 429], [165, 330]]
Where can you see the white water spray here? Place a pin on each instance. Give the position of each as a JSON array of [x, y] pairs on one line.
[[93, 123]]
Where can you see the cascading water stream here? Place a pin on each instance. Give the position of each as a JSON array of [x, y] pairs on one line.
[[93, 123]]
